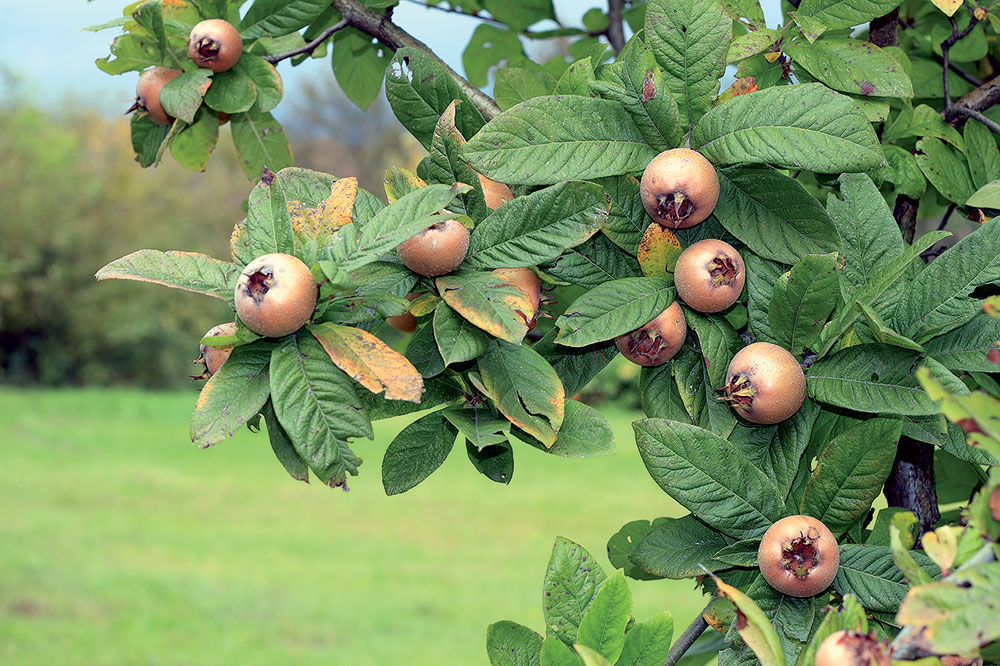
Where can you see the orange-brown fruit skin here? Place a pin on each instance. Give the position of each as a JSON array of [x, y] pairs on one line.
[[684, 172], [709, 275], [850, 648], [437, 250], [530, 285], [404, 323], [801, 534], [276, 295], [147, 93], [496, 194], [775, 378], [658, 341], [214, 357], [215, 44]]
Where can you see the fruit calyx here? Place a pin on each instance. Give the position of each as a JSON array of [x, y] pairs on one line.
[[739, 392], [259, 283], [799, 556], [674, 207], [642, 344], [723, 270], [208, 48]]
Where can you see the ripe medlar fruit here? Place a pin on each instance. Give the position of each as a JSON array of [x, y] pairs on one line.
[[214, 357], [658, 341], [709, 275], [404, 323], [436, 250], [276, 295], [798, 556], [147, 93], [496, 194], [764, 383], [850, 648], [215, 44], [679, 188], [527, 281]]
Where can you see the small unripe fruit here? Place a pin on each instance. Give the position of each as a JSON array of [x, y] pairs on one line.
[[437, 250], [679, 188], [496, 194], [764, 383], [404, 323], [147, 93], [276, 295], [527, 281], [850, 648], [798, 556], [215, 44], [658, 341], [214, 357], [709, 275]]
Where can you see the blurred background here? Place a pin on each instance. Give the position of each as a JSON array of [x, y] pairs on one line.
[[122, 544]]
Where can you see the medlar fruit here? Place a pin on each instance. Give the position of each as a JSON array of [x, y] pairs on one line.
[[658, 341], [709, 275], [679, 188], [276, 295]]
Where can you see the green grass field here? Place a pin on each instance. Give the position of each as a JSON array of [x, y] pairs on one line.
[[122, 544]]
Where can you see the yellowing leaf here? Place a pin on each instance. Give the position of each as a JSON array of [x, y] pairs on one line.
[[941, 545], [322, 221], [741, 86], [424, 304], [754, 627], [399, 182], [949, 7], [489, 302], [658, 251], [370, 362]]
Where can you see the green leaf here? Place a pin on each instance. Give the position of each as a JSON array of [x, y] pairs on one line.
[[359, 65], [281, 444], [418, 450], [853, 66], [965, 348], [182, 96], [987, 196], [603, 625], [447, 165], [585, 433], [590, 656], [902, 171], [647, 643], [576, 366], [762, 275], [689, 41], [718, 342], [318, 407], [678, 548], [423, 353], [189, 271], [193, 145], [511, 644], [557, 653], [550, 139], [268, 227], [836, 14], [260, 142], [487, 301], [946, 171], [593, 263], [939, 299], [709, 476], [983, 156], [457, 339], [419, 90], [537, 228], [576, 79], [751, 43], [627, 219], [869, 573], [150, 16], [519, 14], [495, 462], [232, 91], [572, 580], [489, 45], [773, 214], [850, 473], [131, 52], [233, 395], [266, 81], [922, 121], [883, 333], [612, 309], [147, 139], [971, 47], [274, 18], [697, 392], [516, 84], [479, 426], [806, 126], [802, 301], [870, 378], [525, 388]]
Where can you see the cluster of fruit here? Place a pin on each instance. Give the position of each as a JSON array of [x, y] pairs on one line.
[[213, 44]]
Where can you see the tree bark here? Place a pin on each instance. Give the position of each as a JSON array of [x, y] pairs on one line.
[[911, 482]]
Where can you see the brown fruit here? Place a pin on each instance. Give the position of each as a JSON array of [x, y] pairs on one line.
[[214, 357], [496, 194], [764, 383], [215, 44], [658, 341], [147, 93], [276, 295], [849, 648], [679, 188], [437, 250], [404, 323], [709, 275], [527, 281], [798, 556]]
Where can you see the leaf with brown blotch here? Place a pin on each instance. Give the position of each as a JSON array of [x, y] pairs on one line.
[[321, 222], [490, 302], [190, 271], [370, 362], [658, 251]]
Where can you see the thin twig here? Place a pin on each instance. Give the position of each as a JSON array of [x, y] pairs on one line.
[[964, 74], [311, 46], [454, 10], [687, 639], [946, 45], [965, 112], [616, 33]]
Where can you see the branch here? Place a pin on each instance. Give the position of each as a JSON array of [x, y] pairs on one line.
[[311, 46], [963, 112], [687, 639], [964, 74], [905, 214], [910, 484], [946, 45], [882, 31], [616, 33], [453, 10], [392, 36]]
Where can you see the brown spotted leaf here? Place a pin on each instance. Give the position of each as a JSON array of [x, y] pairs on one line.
[[370, 362], [658, 251], [400, 182], [234, 394], [853, 66], [190, 271], [488, 301], [321, 222]]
